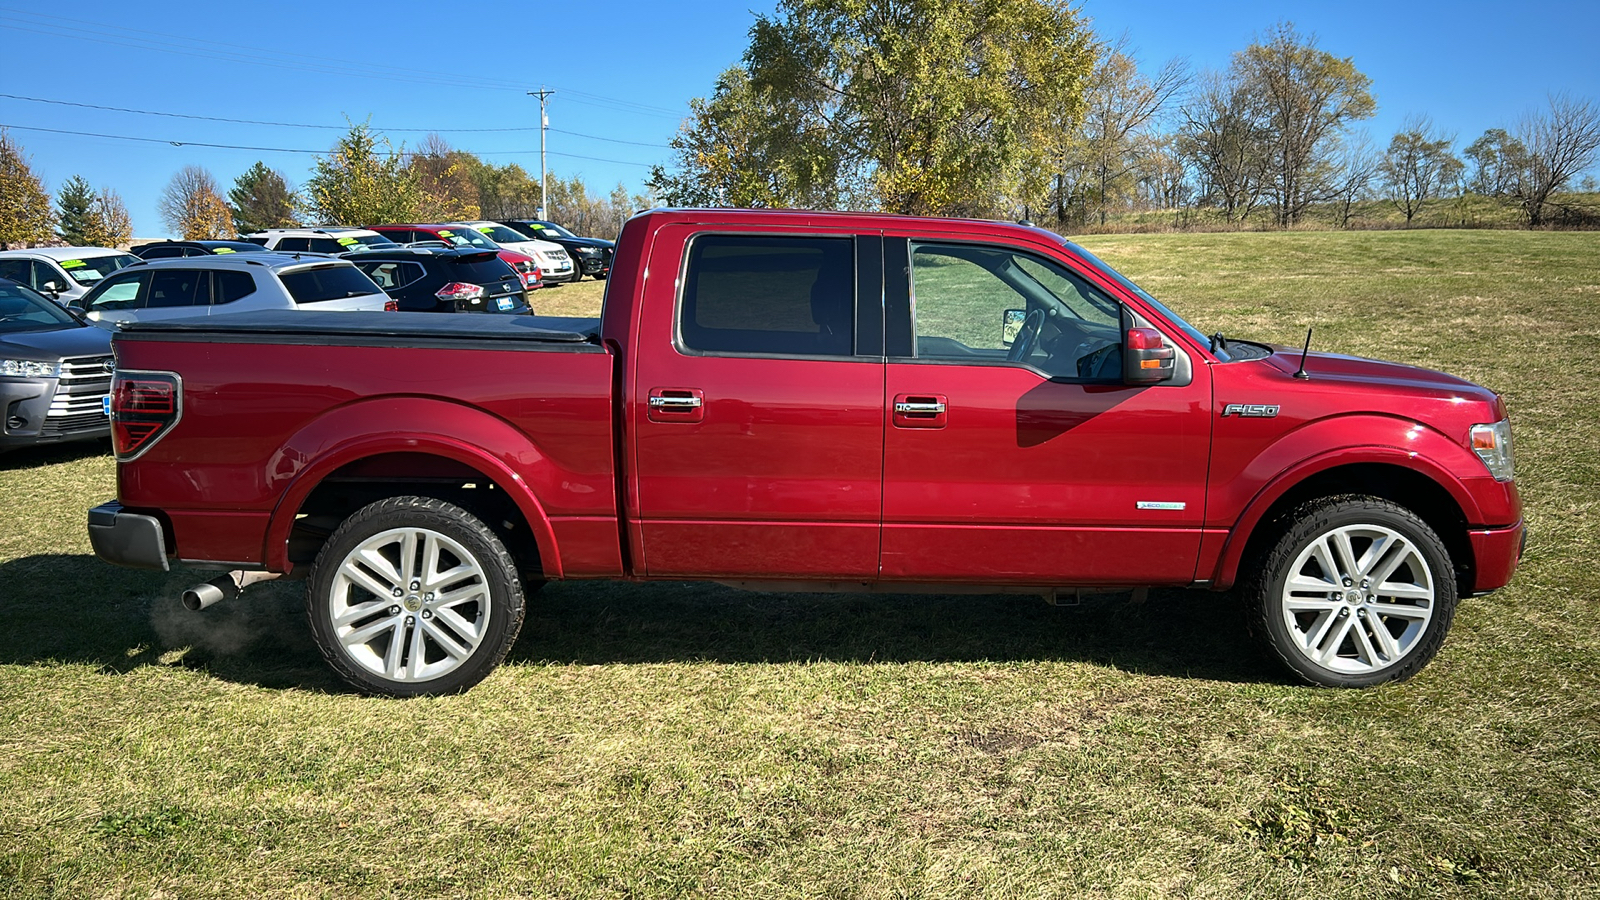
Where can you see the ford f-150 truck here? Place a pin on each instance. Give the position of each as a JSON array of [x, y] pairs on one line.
[[806, 401]]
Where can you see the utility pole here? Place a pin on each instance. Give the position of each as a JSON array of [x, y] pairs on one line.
[[544, 125]]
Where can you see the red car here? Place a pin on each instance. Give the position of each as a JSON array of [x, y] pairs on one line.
[[456, 236], [807, 401]]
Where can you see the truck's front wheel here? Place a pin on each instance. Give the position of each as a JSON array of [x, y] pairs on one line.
[[414, 596], [1358, 591]]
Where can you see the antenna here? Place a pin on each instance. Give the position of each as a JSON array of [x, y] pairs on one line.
[[1301, 372]]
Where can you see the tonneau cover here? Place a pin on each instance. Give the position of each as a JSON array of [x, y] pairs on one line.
[[379, 325]]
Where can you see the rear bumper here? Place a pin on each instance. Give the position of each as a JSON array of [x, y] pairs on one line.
[[127, 539], [1495, 554]]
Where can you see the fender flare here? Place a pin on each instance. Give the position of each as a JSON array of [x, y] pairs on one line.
[[325, 445], [1440, 472]]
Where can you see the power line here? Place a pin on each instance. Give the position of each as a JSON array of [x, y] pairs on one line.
[[125, 137], [173, 115]]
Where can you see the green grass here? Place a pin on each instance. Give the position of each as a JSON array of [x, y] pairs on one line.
[[692, 740]]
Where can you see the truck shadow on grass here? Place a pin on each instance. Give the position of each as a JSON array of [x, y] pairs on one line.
[[77, 610]]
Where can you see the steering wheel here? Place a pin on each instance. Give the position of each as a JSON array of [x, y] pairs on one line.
[[1027, 337]]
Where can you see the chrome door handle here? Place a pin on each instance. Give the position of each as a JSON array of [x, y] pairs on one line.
[[919, 407], [675, 402]]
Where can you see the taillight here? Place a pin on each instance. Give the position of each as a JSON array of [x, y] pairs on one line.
[[461, 293], [144, 406], [391, 306]]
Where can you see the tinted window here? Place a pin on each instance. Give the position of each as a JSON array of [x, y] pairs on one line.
[[327, 283], [259, 241], [162, 252], [118, 293], [326, 245], [756, 294], [293, 244], [391, 275], [23, 310], [173, 287], [231, 286], [18, 270], [489, 272]]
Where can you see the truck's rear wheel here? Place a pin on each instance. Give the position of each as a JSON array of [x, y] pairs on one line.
[[414, 596], [1358, 591]]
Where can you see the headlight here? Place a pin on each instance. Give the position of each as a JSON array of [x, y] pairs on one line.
[[27, 368], [1492, 443], [588, 251]]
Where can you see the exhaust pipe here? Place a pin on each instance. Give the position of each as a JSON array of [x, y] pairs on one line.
[[223, 587]]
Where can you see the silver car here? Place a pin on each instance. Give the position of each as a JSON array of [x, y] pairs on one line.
[[62, 273], [157, 289]]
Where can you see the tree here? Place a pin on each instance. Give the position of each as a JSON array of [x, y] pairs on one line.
[[443, 176], [916, 106], [505, 192], [744, 148], [191, 206], [1557, 146], [362, 181], [1356, 167], [108, 223], [1227, 141], [1497, 157], [25, 214], [1119, 102], [73, 202], [1305, 97], [1418, 166], [261, 198]]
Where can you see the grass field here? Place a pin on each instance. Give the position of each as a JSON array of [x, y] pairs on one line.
[[691, 740]]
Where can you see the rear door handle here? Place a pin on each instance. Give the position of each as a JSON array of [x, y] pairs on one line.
[[920, 411], [681, 405]]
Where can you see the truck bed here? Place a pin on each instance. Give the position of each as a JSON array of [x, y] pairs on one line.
[[373, 328]]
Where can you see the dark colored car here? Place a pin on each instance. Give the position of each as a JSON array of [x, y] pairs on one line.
[[526, 266], [55, 372], [591, 255], [445, 280], [176, 249]]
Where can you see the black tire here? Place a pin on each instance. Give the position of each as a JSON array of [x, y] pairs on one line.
[[450, 638], [1325, 629]]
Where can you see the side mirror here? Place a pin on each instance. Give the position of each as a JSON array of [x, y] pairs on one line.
[[1146, 357], [51, 288], [1011, 324]]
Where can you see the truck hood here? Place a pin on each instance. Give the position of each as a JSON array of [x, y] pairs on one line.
[[1357, 371], [57, 343]]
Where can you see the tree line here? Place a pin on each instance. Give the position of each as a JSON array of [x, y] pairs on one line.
[[1014, 108], [362, 180]]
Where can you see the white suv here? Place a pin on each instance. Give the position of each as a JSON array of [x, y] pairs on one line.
[[555, 266], [62, 273], [158, 289], [330, 239]]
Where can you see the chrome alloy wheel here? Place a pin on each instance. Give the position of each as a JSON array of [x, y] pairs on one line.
[[1358, 598], [409, 604]]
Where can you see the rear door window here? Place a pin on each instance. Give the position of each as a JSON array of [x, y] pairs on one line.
[[294, 244], [231, 286], [18, 270], [175, 287], [327, 283], [764, 294], [164, 253]]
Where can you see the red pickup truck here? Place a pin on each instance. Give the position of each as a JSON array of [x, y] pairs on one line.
[[806, 401]]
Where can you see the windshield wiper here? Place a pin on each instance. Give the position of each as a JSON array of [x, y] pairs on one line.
[[1219, 342]]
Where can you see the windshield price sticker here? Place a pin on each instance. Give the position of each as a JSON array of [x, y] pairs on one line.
[[72, 263], [347, 241]]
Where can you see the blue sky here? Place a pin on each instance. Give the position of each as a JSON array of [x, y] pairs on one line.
[[623, 74]]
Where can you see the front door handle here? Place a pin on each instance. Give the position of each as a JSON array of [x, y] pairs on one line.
[[920, 411], [679, 405]]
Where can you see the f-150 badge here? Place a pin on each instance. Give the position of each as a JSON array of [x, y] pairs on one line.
[[1250, 410]]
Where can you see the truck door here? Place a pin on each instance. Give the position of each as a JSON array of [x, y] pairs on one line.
[[756, 406], [1014, 451]]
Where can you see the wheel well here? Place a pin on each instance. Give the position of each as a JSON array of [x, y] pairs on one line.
[[375, 478], [1413, 490]]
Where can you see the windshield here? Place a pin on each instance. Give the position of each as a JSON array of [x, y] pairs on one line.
[[23, 310], [1100, 265], [551, 228], [501, 233], [465, 237], [91, 270]]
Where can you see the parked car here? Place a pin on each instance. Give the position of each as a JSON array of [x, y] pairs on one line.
[[62, 273], [245, 282], [55, 372], [526, 266], [331, 239], [592, 255], [179, 249], [445, 279], [554, 263], [798, 400]]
